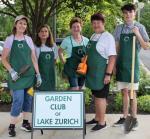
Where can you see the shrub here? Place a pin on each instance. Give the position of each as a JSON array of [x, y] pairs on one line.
[[118, 102], [3, 73], [144, 103], [5, 97], [88, 96]]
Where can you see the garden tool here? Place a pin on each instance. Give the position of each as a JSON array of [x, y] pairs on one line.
[[130, 120], [82, 67], [23, 70]]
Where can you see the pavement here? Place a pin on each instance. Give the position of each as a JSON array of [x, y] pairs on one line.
[[145, 58], [109, 133]]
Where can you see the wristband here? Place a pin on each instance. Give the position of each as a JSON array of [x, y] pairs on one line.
[[108, 74]]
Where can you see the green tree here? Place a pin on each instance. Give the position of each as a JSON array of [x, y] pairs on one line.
[[145, 16], [38, 11]]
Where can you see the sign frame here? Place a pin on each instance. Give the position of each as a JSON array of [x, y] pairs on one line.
[[83, 128]]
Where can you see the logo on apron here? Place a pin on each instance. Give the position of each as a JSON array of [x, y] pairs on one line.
[[20, 45], [48, 56], [126, 38], [88, 45], [80, 51]]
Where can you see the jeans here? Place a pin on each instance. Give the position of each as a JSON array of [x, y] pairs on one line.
[[22, 101]]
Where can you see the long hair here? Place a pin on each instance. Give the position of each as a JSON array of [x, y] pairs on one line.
[[49, 41]]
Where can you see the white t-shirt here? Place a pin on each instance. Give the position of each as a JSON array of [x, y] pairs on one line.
[[9, 41], [44, 48], [106, 44]]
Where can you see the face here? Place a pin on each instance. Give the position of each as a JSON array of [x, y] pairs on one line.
[[129, 16], [43, 34], [21, 26], [98, 26], [76, 28]]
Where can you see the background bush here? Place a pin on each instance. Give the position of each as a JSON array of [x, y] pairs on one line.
[[144, 103]]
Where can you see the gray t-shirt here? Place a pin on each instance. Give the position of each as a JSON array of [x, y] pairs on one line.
[[124, 28]]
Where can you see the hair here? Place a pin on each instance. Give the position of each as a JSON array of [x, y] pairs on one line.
[[14, 30], [128, 7], [75, 20], [50, 39], [98, 16]]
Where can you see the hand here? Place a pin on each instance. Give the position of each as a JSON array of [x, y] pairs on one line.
[[39, 80], [135, 30], [107, 79], [14, 75]]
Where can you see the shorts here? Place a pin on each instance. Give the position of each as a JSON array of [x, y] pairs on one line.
[[123, 85], [22, 101], [76, 81], [103, 93]]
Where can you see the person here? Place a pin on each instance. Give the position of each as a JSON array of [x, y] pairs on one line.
[[75, 49], [47, 53], [18, 52], [124, 36], [101, 54]]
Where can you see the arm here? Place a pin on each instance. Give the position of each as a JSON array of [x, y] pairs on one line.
[[61, 55], [5, 55], [109, 70], [144, 44], [34, 61]]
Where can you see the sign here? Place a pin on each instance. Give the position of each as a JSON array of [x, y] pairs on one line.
[[60, 110]]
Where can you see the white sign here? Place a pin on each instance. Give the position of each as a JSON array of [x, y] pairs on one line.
[[58, 110]]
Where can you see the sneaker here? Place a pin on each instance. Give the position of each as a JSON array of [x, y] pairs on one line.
[[135, 126], [93, 121], [11, 131], [99, 127], [119, 122], [26, 127]]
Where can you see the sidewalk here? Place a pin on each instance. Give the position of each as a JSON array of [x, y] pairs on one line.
[[109, 133]]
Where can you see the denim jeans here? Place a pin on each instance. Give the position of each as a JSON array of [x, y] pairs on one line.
[[76, 81], [22, 102]]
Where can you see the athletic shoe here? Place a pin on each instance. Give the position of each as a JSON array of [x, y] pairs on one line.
[[99, 127], [11, 131], [26, 127], [120, 122], [93, 121]]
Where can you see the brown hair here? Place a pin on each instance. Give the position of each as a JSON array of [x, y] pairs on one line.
[[14, 27], [75, 20], [98, 16], [49, 41]]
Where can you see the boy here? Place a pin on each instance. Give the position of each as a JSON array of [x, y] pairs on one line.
[[124, 39]]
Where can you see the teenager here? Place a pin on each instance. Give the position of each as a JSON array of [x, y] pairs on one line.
[[101, 53], [18, 52], [124, 40], [74, 47], [47, 53]]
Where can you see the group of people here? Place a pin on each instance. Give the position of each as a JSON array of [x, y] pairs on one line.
[[106, 54]]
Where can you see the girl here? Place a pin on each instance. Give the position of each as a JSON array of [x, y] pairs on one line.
[[47, 54], [74, 47], [18, 52]]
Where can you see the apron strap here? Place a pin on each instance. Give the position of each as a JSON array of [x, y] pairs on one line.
[[122, 28]]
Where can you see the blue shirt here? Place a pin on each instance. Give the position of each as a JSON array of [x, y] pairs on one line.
[[66, 44]]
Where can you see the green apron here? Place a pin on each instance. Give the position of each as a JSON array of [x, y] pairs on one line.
[[124, 59], [46, 64], [96, 67], [20, 56], [72, 63]]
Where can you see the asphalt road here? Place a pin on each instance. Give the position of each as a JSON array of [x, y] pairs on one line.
[[145, 57]]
